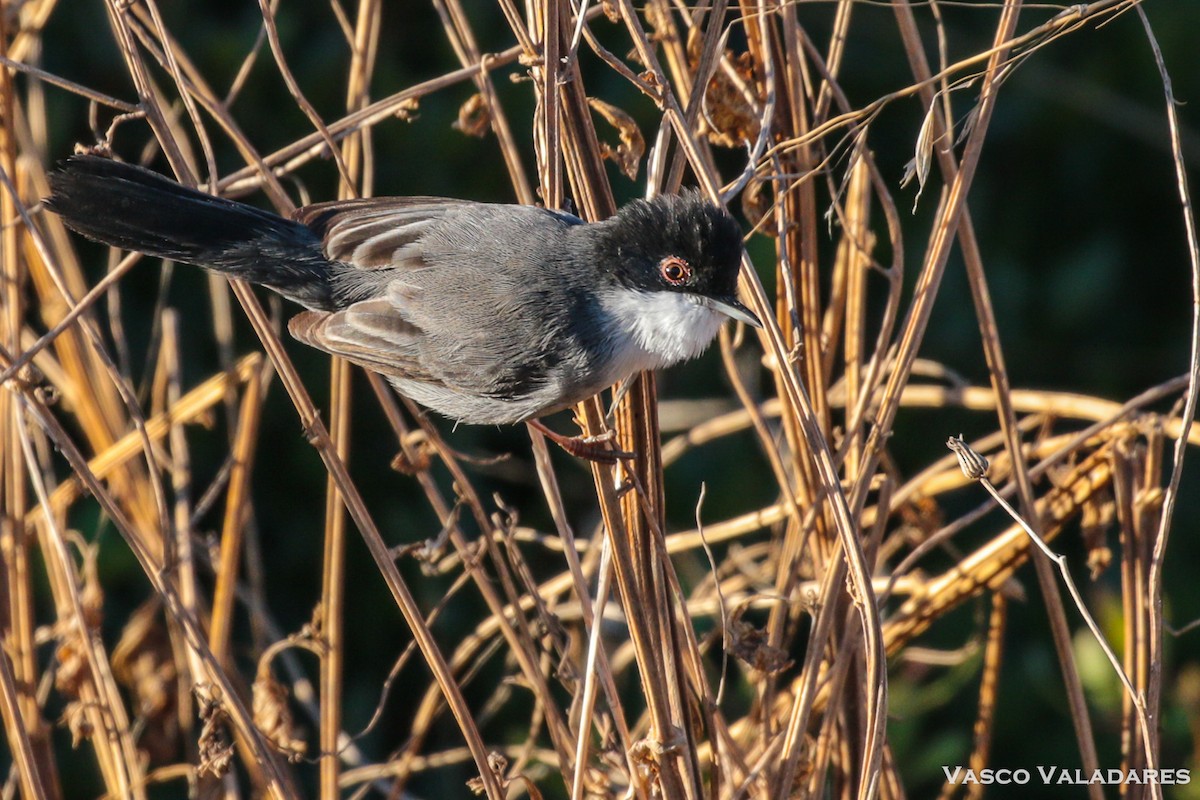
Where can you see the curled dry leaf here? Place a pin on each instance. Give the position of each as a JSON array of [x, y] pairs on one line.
[[474, 117], [216, 749], [658, 20], [406, 110], [28, 377], [144, 663], [72, 672], [498, 764], [272, 716], [920, 518], [805, 767], [596, 783], [628, 154], [91, 594], [76, 719], [47, 394], [421, 455], [1095, 519], [730, 120], [749, 645], [647, 754], [732, 110], [756, 205], [102, 148]]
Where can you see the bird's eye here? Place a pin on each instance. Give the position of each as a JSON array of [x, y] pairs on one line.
[[674, 270]]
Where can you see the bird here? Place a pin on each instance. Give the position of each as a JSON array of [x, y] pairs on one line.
[[486, 313]]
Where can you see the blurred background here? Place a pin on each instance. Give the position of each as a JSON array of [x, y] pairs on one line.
[[1078, 216]]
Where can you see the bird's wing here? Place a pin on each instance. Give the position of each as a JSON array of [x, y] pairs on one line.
[[437, 292], [376, 232], [383, 232], [371, 333], [472, 358]]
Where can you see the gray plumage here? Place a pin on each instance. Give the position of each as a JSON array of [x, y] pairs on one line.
[[485, 313]]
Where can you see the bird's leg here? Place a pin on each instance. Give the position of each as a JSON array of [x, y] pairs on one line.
[[592, 448]]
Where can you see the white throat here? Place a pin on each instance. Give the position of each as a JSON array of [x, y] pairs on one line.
[[657, 329]]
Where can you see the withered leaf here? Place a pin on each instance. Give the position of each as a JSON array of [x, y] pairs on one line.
[[474, 117], [91, 594], [76, 719], [750, 646], [144, 662], [406, 110], [1098, 513], [214, 743], [756, 205], [73, 671], [923, 158], [731, 111], [628, 154], [417, 455], [272, 716]]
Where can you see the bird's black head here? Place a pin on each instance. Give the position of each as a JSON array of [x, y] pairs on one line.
[[679, 243]]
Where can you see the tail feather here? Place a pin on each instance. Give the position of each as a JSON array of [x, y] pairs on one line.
[[126, 206]]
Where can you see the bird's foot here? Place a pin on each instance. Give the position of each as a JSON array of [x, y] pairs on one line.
[[592, 448]]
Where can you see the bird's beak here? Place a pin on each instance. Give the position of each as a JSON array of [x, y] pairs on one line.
[[732, 307]]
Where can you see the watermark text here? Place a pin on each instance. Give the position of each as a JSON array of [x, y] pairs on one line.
[[1064, 775]]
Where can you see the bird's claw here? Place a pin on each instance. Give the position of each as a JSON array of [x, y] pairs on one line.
[[596, 448]]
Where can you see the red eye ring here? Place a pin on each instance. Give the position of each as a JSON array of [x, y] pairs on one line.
[[674, 270]]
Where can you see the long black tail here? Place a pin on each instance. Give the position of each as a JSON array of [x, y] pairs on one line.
[[126, 206]]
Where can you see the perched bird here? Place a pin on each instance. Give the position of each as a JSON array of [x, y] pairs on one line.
[[488, 314]]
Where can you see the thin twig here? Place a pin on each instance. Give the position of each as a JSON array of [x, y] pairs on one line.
[[975, 467]]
